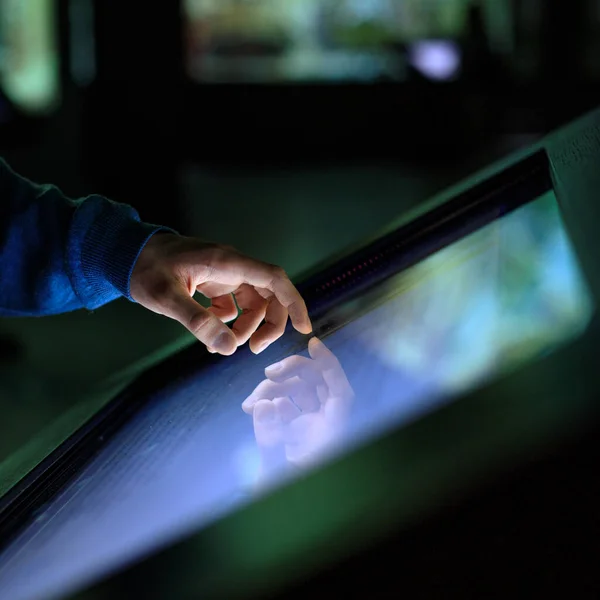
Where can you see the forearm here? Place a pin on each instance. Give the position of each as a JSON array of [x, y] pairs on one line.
[[59, 254]]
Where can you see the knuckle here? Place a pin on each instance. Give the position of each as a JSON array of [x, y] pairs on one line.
[[212, 261], [278, 272], [199, 322], [277, 275], [217, 256]]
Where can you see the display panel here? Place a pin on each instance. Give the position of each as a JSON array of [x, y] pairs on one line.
[[266, 41], [485, 305], [29, 67]]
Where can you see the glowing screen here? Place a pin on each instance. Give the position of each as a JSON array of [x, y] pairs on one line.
[[203, 446]]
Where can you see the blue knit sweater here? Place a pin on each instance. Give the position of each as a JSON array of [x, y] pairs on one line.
[[58, 254]]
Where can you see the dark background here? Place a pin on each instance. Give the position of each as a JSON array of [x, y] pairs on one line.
[[287, 173]]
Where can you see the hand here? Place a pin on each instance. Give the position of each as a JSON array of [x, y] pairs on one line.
[[301, 408], [171, 268]]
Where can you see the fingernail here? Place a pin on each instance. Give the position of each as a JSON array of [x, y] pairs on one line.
[[224, 343], [274, 368], [260, 348]]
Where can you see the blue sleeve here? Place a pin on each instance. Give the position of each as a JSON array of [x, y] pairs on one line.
[[59, 254]]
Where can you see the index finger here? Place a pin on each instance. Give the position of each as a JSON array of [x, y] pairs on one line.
[[272, 278], [275, 280], [331, 369]]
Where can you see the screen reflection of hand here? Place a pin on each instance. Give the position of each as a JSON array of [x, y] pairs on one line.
[[299, 411]]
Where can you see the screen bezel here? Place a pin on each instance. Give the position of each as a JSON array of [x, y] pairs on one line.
[[52, 474]]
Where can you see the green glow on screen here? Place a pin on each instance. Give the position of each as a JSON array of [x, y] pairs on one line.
[[488, 304]]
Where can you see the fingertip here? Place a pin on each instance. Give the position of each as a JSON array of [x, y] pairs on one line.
[[315, 342], [225, 343], [272, 370], [300, 319], [304, 328], [316, 348], [257, 348], [248, 405]]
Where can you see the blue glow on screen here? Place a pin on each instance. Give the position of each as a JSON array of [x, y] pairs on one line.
[[495, 300]]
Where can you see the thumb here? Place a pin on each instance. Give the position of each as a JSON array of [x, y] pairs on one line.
[[200, 322]]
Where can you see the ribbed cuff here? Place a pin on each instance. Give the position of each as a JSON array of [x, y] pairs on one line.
[[110, 256], [106, 241]]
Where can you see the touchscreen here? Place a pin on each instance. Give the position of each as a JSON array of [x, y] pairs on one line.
[[485, 305]]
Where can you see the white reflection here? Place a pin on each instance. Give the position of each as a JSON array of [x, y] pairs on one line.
[[300, 409], [439, 60]]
